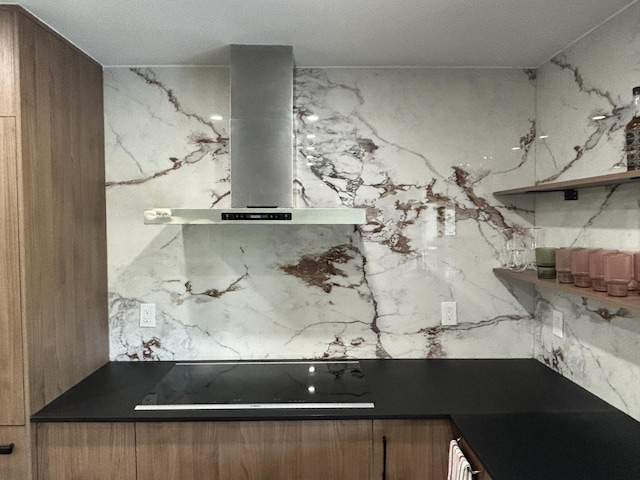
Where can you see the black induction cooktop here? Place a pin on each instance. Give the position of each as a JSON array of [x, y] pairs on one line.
[[249, 385]]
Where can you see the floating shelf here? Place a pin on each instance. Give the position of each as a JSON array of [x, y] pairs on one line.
[[599, 181], [631, 302]]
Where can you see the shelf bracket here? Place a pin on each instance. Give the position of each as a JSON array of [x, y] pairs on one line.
[[571, 194]]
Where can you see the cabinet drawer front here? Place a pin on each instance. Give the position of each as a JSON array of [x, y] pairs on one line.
[[14, 465], [82, 451], [283, 450]]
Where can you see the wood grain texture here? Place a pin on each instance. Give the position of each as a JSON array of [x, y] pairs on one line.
[[11, 362], [255, 450], [8, 90], [83, 451], [62, 202], [416, 449], [597, 181], [14, 466], [630, 302]]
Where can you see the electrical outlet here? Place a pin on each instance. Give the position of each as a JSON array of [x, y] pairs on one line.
[[558, 324], [147, 314], [449, 316]]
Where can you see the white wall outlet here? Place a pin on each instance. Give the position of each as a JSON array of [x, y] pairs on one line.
[[147, 314], [558, 324], [449, 221], [449, 315]]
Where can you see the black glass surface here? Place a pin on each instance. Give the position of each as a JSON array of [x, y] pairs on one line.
[[261, 383]]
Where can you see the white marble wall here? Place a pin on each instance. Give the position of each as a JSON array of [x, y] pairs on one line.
[[601, 348], [407, 144]]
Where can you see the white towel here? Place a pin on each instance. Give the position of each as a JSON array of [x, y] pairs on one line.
[[459, 467]]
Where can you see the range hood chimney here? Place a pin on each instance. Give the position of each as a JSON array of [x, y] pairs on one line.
[[261, 149], [261, 126]]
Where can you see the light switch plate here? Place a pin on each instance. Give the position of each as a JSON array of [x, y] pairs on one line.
[[558, 324], [450, 222]]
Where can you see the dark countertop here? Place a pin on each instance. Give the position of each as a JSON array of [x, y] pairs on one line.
[[547, 445], [514, 412]]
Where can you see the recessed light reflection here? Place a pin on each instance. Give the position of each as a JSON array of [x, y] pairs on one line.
[[599, 117], [311, 389], [312, 369], [313, 118], [310, 147], [216, 117], [515, 148], [543, 136], [311, 135]]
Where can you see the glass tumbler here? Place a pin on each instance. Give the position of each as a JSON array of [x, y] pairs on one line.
[[596, 269], [580, 266], [563, 264], [515, 246], [514, 252], [546, 262], [531, 241], [636, 266], [617, 273]]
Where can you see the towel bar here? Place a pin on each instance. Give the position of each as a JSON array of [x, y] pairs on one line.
[[473, 472]]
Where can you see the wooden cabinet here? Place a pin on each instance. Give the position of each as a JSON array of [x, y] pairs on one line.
[[53, 280], [82, 451], [11, 364], [14, 465], [280, 450], [411, 449], [416, 450], [236, 450]]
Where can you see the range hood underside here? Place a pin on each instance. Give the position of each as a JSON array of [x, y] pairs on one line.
[[261, 216]]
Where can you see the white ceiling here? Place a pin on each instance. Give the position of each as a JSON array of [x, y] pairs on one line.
[[435, 33]]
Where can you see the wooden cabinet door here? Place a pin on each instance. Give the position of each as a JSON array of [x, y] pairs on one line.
[[415, 449], [83, 451], [8, 98], [283, 450], [11, 363], [14, 465]]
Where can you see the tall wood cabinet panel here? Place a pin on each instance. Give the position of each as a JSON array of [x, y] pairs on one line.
[[255, 450], [11, 365], [53, 315], [63, 206], [8, 94]]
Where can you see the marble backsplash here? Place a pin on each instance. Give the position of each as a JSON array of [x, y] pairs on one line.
[[601, 346], [409, 145]]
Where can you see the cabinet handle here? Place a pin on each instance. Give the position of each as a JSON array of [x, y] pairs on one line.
[[384, 457], [6, 449]]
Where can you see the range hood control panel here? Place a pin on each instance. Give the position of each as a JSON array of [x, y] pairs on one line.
[[256, 216]]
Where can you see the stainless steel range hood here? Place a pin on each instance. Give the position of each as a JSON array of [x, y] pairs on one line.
[[261, 149]]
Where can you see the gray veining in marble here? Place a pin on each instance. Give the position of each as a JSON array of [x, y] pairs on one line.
[[412, 146], [390, 141], [601, 347]]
